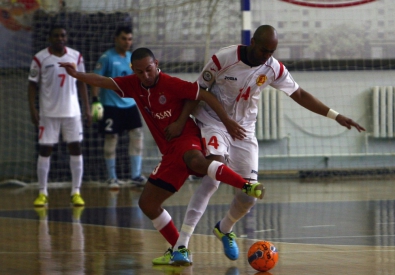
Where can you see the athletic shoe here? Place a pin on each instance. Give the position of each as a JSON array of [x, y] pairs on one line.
[[231, 249], [139, 181], [256, 190], [113, 184], [181, 257], [41, 201], [76, 200], [121, 182], [165, 259]]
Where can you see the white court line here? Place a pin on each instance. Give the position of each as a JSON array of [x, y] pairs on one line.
[[322, 225], [332, 237], [264, 230]]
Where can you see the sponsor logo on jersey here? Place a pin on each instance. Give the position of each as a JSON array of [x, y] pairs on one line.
[[230, 78], [49, 66], [328, 3], [162, 99], [207, 76], [116, 63], [261, 79], [33, 72], [162, 115], [98, 66]]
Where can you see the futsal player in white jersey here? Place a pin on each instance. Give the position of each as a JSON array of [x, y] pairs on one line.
[[236, 75], [59, 110]]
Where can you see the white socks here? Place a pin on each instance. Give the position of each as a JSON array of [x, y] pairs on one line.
[[76, 167], [240, 206], [162, 220], [43, 164], [196, 207]]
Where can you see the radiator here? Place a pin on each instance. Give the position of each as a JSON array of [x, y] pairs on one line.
[[269, 123], [383, 111]]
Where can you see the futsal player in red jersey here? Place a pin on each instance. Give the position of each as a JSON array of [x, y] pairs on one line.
[[160, 98]]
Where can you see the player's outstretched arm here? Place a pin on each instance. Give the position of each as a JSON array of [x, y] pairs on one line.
[[89, 78], [311, 103], [233, 128]]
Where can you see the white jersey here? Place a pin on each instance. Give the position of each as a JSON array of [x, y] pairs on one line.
[[58, 95], [237, 87]]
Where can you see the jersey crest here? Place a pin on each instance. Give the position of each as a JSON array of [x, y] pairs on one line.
[[162, 99], [261, 79]]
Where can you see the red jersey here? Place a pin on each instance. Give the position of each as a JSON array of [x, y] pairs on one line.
[[161, 104]]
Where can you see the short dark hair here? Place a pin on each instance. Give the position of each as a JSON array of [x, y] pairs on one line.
[[125, 29], [141, 53], [55, 27]]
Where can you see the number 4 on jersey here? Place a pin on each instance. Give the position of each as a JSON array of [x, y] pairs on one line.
[[212, 142], [244, 95]]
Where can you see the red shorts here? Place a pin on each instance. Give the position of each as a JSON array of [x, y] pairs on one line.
[[171, 173]]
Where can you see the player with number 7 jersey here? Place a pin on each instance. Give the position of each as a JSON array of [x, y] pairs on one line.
[[59, 110], [58, 91]]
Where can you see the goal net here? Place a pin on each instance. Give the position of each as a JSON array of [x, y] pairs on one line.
[[182, 34], [341, 54]]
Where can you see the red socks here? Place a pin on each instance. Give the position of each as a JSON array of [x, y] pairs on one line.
[[227, 175], [170, 233]]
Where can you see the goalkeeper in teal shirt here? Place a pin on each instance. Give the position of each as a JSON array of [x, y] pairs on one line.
[[115, 114]]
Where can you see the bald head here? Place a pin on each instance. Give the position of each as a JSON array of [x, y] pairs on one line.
[[263, 44], [265, 33]]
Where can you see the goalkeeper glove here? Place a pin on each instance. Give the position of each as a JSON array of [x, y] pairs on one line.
[[97, 109]]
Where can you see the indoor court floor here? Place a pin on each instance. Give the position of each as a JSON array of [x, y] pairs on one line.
[[319, 227]]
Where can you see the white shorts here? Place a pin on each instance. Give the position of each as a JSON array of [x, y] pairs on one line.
[[51, 127], [241, 155]]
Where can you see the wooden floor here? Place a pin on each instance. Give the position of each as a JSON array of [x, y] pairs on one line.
[[338, 227]]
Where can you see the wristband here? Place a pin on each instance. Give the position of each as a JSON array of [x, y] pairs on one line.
[[95, 99], [332, 114]]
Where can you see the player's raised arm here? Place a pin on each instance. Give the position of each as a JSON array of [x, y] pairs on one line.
[[311, 103], [233, 128], [89, 78]]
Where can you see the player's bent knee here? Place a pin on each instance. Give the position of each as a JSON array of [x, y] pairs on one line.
[[195, 161], [150, 209]]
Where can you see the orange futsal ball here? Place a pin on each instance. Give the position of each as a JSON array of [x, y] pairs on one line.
[[262, 255]]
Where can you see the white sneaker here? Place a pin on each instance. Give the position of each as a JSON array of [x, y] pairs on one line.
[[113, 183], [139, 181]]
